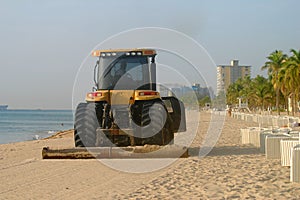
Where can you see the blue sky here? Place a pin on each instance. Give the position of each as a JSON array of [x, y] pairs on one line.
[[44, 42]]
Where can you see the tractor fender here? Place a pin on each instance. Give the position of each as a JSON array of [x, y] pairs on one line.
[[176, 110]]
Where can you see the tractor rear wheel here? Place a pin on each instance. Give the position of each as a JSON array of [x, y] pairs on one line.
[[85, 126], [154, 122], [153, 127]]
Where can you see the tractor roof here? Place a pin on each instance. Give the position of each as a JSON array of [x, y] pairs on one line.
[[144, 52]]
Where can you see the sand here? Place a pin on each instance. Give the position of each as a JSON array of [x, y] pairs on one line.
[[230, 171]]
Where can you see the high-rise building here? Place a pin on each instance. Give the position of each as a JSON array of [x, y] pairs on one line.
[[227, 74]]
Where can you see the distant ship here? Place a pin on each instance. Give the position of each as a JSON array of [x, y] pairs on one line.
[[3, 107]]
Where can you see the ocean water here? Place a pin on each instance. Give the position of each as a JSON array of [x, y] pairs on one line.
[[24, 125]]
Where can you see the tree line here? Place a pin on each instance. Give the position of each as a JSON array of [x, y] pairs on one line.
[[281, 86]]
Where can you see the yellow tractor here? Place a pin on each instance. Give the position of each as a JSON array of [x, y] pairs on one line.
[[125, 110]]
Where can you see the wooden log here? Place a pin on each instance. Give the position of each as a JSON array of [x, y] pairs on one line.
[[147, 151]]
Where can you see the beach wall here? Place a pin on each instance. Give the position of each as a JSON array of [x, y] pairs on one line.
[[267, 120]]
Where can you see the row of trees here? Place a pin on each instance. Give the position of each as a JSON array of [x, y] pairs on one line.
[[283, 82], [257, 92]]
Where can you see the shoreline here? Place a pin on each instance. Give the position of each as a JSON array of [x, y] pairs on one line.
[[60, 134], [55, 135]]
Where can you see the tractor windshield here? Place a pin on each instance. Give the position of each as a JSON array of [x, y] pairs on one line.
[[124, 72]]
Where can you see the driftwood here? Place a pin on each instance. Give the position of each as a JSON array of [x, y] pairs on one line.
[[147, 151]]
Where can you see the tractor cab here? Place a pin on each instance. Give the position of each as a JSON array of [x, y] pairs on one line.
[[125, 70]]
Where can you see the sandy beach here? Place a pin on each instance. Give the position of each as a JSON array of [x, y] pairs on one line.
[[229, 171]]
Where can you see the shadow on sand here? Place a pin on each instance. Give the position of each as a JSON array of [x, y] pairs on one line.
[[225, 151]]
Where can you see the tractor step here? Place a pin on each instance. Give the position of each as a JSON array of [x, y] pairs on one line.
[[146, 151]]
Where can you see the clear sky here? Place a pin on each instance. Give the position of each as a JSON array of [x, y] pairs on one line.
[[44, 42]]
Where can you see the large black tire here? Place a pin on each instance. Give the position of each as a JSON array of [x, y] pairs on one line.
[[85, 126], [154, 119], [157, 118]]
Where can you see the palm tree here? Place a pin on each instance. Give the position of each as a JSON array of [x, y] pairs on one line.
[[261, 91], [274, 64], [284, 79], [292, 77], [237, 90], [245, 93]]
